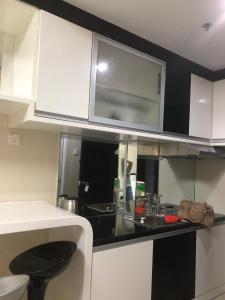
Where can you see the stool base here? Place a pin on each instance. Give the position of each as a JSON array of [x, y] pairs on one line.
[[37, 289]]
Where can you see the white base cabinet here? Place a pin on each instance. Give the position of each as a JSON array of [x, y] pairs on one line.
[[210, 263], [64, 66], [123, 273]]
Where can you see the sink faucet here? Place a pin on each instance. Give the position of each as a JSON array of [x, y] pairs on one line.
[[155, 203]]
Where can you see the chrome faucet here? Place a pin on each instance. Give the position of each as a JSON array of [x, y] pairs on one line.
[[154, 202]]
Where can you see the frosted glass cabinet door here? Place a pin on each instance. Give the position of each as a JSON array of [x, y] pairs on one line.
[[127, 86]]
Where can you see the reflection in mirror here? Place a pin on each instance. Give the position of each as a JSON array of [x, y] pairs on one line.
[[176, 179], [177, 168], [92, 172], [142, 172], [119, 180], [69, 168], [108, 176], [161, 169]]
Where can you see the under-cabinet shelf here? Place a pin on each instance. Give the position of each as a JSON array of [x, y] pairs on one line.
[[10, 103], [19, 27]]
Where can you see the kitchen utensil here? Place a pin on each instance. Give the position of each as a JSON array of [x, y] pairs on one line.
[[69, 203], [139, 210], [141, 206], [140, 189], [170, 219], [103, 207], [154, 201], [60, 200]]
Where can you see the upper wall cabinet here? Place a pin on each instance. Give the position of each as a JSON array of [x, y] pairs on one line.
[[64, 66], [127, 87], [218, 128], [18, 44], [200, 124]]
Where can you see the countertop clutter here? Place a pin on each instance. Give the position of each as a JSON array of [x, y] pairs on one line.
[[113, 228]]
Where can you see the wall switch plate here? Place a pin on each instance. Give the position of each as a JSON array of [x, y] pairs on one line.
[[14, 139]]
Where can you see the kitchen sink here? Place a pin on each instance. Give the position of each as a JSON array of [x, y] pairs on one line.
[[103, 207], [151, 221]]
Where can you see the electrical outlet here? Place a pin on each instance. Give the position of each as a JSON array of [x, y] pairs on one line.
[[14, 139]]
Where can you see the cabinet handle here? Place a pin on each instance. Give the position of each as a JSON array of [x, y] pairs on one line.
[[159, 83]]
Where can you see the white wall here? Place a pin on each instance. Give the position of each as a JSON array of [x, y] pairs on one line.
[[29, 171], [210, 183]]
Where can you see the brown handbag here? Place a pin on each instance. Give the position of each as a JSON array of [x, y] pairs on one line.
[[196, 212]]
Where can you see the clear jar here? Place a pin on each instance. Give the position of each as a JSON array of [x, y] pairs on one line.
[[141, 206]]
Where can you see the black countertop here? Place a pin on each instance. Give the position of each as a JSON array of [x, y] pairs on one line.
[[113, 228]]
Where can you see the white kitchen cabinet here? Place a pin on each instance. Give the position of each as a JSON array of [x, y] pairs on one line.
[[201, 103], [127, 88], [64, 66], [123, 273], [18, 44], [218, 128], [210, 263]]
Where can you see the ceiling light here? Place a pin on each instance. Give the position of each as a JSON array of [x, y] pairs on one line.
[[102, 67], [202, 101]]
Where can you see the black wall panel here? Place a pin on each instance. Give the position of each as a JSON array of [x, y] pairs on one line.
[[173, 275]]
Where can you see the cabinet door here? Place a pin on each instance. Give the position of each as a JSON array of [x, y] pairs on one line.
[[174, 267], [64, 67], [210, 262], [127, 87], [123, 273], [200, 124], [218, 131]]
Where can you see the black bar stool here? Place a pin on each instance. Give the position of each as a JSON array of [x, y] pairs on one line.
[[42, 263]]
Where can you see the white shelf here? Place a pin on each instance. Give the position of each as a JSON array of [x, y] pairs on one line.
[[19, 27], [35, 215], [10, 104], [16, 217]]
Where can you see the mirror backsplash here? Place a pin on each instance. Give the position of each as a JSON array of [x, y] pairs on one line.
[[105, 176]]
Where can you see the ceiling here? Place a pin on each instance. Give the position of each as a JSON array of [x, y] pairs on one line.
[[173, 24]]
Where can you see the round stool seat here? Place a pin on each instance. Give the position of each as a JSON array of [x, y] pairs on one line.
[[13, 287], [44, 261]]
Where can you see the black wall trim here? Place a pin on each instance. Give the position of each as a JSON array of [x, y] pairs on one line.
[[219, 75], [178, 69]]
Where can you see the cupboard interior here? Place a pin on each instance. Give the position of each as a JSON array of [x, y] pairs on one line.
[[18, 45]]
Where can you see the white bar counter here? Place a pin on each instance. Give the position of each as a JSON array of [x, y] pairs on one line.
[[74, 283]]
